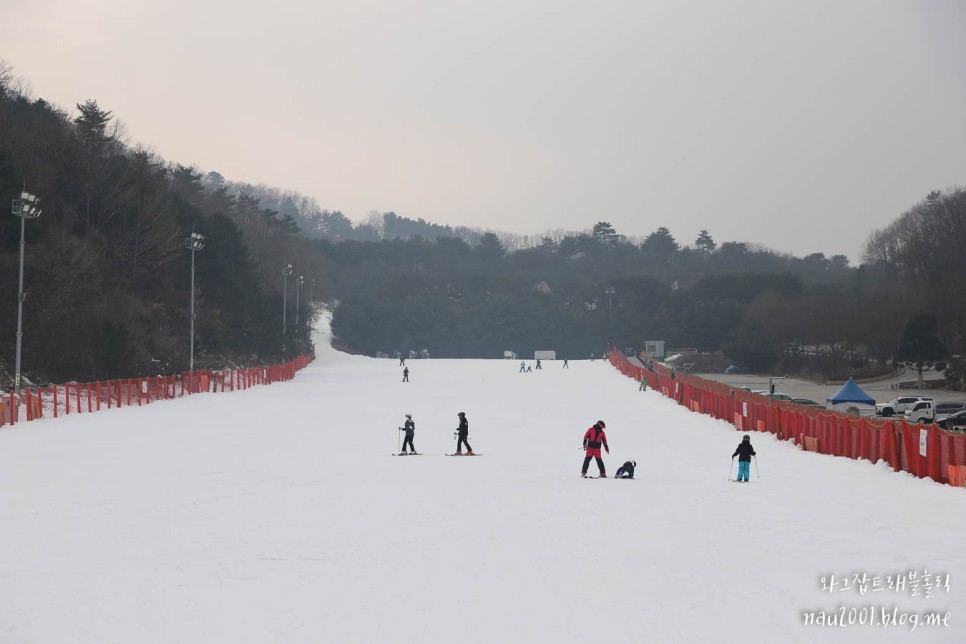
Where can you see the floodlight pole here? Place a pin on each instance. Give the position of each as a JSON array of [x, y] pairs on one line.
[[286, 271], [194, 243], [298, 287], [26, 208]]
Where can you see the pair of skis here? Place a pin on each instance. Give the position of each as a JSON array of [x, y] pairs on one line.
[[420, 454]]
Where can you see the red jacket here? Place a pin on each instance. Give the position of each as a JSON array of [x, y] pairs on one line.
[[594, 438]]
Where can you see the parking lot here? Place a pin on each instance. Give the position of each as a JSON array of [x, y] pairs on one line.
[[882, 391]]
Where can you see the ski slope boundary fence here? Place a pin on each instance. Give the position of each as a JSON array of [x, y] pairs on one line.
[[87, 397], [921, 450]]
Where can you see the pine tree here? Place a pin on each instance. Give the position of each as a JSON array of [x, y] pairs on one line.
[[604, 233], [704, 243]]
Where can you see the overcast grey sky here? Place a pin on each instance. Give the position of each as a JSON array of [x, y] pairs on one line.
[[801, 126]]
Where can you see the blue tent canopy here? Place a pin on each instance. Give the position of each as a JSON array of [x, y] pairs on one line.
[[850, 392]]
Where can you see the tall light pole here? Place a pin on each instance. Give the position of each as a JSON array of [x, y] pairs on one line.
[[610, 293], [286, 271], [26, 207], [194, 243], [298, 287]]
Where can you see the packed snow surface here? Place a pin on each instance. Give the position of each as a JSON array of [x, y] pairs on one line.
[[279, 514]]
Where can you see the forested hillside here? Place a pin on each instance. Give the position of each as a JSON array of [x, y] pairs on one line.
[[108, 277]]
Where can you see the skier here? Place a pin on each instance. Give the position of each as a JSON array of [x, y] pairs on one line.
[[744, 453], [593, 439], [405, 374], [643, 386], [538, 364], [626, 471], [566, 366], [523, 366], [410, 428], [462, 432], [402, 360]]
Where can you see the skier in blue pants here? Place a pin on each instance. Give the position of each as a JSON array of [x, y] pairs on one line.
[[744, 453]]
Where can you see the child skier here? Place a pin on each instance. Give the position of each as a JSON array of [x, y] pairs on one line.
[[410, 428], [744, 453], [593, 439], [626, 471]]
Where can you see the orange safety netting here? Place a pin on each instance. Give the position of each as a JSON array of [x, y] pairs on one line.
[[923, 450]]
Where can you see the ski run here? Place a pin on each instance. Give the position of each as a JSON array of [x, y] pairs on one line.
[[276, 515]]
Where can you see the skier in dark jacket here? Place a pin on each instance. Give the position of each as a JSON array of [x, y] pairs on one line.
[[406, 374], [744, 453], [593, 439], [410, 428], [462, 432]]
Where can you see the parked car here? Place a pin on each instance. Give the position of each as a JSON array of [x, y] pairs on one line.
[[778, 395], [805, 402], [898, 405], [954, 421], [949, 408]]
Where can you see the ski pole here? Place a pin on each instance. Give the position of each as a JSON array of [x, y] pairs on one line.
[[730, 469], [757, 475], [399, 441]]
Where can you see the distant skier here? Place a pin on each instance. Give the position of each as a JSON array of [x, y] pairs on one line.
[[591, 356], [744, 453], [462, 432], [402, 360], [643, 386], [529, 369], [566, 364], [406, 374], [410, 428], [523, 366], [539, 366], [593, 439]]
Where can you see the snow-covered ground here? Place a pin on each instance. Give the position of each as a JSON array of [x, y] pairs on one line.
[[278, 514]]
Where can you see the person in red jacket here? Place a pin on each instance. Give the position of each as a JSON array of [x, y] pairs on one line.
[[593, 439]]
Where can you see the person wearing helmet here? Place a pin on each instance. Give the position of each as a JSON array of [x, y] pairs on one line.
[[744, 453], [594, 438], [410, 428], [462, 432]]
